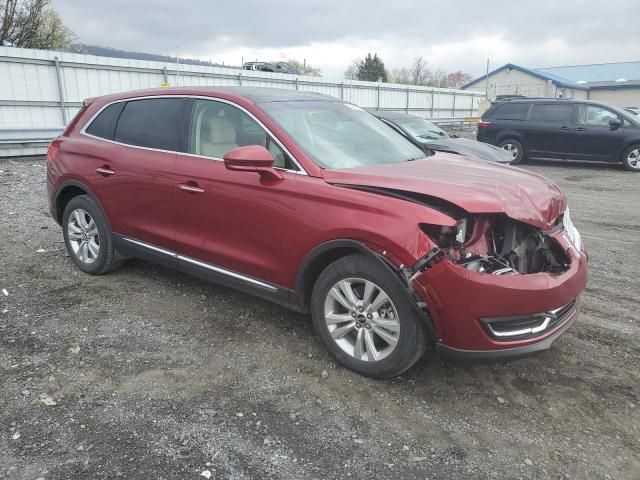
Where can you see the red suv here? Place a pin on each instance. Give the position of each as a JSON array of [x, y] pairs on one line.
[[317, 205]]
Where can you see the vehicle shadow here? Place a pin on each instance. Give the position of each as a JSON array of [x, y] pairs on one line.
[[294, 331]]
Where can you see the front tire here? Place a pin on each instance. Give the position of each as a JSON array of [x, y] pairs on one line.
[[365, 319], [515, 148], [87, 236], [631, 158]]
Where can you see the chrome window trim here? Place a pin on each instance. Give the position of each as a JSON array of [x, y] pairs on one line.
[[83, 131], [214, 268]]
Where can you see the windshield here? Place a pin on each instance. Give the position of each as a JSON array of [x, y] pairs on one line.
[[339, 135], [420, 129]]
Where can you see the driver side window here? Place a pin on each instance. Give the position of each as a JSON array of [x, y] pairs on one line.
[[594, 115], [218, 127]]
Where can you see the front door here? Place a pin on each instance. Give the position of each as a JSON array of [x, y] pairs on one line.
[[236, 221], [595, 138]]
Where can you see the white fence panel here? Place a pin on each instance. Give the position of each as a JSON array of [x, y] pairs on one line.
[[42, 90]]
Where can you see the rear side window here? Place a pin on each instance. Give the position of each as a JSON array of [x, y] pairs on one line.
[[151, 123], [551, 112], [510, 111], [104, 125]]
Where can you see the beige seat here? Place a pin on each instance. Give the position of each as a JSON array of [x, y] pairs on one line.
[[218, 136]]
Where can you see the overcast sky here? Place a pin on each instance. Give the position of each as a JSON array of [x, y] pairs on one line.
[[451, 35]]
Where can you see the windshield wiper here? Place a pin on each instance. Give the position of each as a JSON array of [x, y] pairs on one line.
[[427, 136]]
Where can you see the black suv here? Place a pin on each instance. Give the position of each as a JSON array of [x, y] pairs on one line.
[[562, 129]]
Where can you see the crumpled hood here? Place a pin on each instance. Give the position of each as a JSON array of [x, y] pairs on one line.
[[477, 187]]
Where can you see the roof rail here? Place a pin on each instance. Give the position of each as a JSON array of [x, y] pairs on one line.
[[509, 99]]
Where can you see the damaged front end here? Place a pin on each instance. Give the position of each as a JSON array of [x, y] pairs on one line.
[[498, 245], [491, 282]]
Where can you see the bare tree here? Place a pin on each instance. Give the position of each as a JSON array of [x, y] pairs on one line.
[[304, 68], [351, 73], [437, 78], [401, 75], [457, 79], [32, 24], [419, 74]]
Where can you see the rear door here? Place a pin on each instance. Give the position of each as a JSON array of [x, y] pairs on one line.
[[594, 138], [549, 129], [132, 171]]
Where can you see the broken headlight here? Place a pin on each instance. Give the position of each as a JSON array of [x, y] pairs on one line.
[[447, 236], [571, 231]]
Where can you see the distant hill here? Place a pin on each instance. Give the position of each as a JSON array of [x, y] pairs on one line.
[[115, 53]]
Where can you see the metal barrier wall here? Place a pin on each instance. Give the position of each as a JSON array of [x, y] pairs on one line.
[[41, 91]]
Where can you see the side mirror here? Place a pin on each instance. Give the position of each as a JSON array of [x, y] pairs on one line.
[[252, 158], [615, 123]]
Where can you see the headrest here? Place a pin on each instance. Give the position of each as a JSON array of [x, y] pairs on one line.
[[220, 129]]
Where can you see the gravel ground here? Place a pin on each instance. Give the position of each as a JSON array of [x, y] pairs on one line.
[[148, 373]]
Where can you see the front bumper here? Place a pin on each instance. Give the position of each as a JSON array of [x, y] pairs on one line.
[[506, 354], [460, 302]]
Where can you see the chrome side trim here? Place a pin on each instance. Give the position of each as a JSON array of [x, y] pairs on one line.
[[229, 273], [151, 247], [208, 266], [83, 131]]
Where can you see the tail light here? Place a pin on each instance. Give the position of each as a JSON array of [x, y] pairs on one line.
[[52, 151], [483, 124]]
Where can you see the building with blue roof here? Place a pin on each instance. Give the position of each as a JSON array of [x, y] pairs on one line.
[[615, 83]]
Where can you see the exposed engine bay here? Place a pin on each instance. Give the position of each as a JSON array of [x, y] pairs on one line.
[[498, 245], [494, 244]]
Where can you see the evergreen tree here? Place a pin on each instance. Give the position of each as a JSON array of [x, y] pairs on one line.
[[371, 69]]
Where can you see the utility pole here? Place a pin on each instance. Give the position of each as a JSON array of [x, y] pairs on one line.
[[486, 82], [177, 66]]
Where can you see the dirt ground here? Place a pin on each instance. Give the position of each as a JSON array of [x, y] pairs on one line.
[[146, 373]]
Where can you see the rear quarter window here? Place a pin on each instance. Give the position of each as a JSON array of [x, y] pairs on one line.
[[104, 124], [510, 111], [151, 123]]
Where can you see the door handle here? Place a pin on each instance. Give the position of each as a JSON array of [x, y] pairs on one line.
[[580, 129], [564, 128], [191, 188], [105, 171]]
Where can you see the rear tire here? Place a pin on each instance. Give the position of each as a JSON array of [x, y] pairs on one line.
[[365, 319], [515, 148], [87, 236], [631, 158]]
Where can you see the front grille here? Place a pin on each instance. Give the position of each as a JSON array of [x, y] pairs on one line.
[[528, 326]]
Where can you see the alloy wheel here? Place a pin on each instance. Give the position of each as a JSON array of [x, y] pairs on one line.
[[83, 235], [362, 319], [511, 148], [633, 158]]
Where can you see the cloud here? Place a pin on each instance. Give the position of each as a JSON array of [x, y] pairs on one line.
[[329, 33]]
